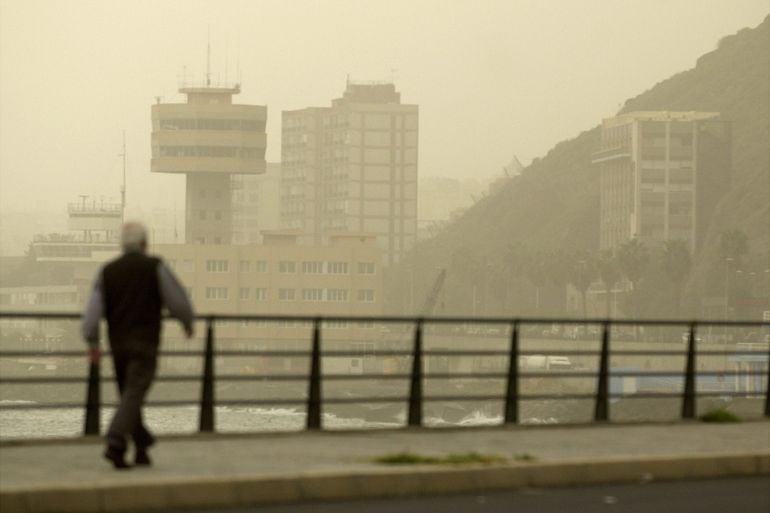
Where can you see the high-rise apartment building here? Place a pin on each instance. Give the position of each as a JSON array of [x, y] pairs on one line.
[[661, 175], [256, 204], [352, 167], [209, 139]]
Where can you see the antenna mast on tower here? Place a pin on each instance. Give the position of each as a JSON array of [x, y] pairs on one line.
[[123, 185], [208, 58]]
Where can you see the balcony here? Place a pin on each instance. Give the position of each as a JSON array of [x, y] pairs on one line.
[[616, 152]]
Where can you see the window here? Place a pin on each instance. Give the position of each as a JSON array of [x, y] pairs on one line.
[[312, 294], [188, 265], [653, 176], [313, 267], [365, 267], [338, 268], [285, 294], [244, 266], [243, 293], [366, 295], [260, 294], [287, 266], [218, 215], [337, 295], [217, 266], [202, 215], [217, 293], [336, 325], [261, 266]]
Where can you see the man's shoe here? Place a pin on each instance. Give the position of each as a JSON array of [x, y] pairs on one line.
[[116, 456], [142, 458]]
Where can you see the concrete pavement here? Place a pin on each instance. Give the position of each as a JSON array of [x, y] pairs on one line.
[[739, 494], [237, 470]]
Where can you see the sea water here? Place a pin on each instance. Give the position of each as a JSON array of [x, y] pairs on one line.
[[68, 422]]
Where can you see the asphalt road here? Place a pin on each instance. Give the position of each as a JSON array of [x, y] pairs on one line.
[[739, 495]]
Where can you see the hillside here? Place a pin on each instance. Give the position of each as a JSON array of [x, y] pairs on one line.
[[553, 205]]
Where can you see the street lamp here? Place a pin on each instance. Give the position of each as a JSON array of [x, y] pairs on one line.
[[728, 261]]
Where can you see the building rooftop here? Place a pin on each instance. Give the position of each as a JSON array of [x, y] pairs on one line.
[[662, 115], [369, 92]]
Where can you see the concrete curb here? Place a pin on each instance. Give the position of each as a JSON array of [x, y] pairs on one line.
[[378, 482]]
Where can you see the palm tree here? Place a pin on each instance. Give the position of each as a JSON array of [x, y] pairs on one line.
[[582, 271], [609, 271], [676, 264], [733, 246], [633, 259]]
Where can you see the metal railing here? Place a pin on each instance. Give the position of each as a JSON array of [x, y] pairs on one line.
[[314, 402]]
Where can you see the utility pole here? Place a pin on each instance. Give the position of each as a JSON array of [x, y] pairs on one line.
[[123, 185], [208, 57]]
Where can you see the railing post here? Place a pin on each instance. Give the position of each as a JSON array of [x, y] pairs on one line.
[[601, 409], [767, 392], [688, 394], [93, 400], [415, 388], [512, 395], [206, 424], [314, 390]]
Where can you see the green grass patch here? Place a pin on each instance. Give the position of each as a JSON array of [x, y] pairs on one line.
[[720, 415], [524, 457], [467, 458]]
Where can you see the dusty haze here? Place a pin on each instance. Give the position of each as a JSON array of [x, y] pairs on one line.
[[492, 79]]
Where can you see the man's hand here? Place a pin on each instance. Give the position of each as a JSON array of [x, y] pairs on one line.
[[94, 355], [189, 331]]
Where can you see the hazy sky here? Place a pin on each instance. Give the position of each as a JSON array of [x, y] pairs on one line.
[[492, 78]]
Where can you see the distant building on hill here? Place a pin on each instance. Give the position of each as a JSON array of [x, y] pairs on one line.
[[661, 175]]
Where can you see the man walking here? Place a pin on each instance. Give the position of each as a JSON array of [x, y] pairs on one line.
[[130, 292]]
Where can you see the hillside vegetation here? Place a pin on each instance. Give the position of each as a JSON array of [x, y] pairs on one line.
[[553, 206]]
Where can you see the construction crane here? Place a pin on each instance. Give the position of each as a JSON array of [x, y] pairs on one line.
[[433, 295]]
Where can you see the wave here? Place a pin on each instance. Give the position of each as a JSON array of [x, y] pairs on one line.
[[478, 418], [276, 412], [537, 420]]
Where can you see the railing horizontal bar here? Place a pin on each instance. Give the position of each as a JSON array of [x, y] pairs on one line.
[[40, 406], [46, 381], [374, 377], [387, 399], [15, 354], [425, 320], [39, 354]]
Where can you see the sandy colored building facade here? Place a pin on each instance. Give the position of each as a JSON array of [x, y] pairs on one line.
[[280, 277], [209, 139], [353, 167], [661, 175]]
